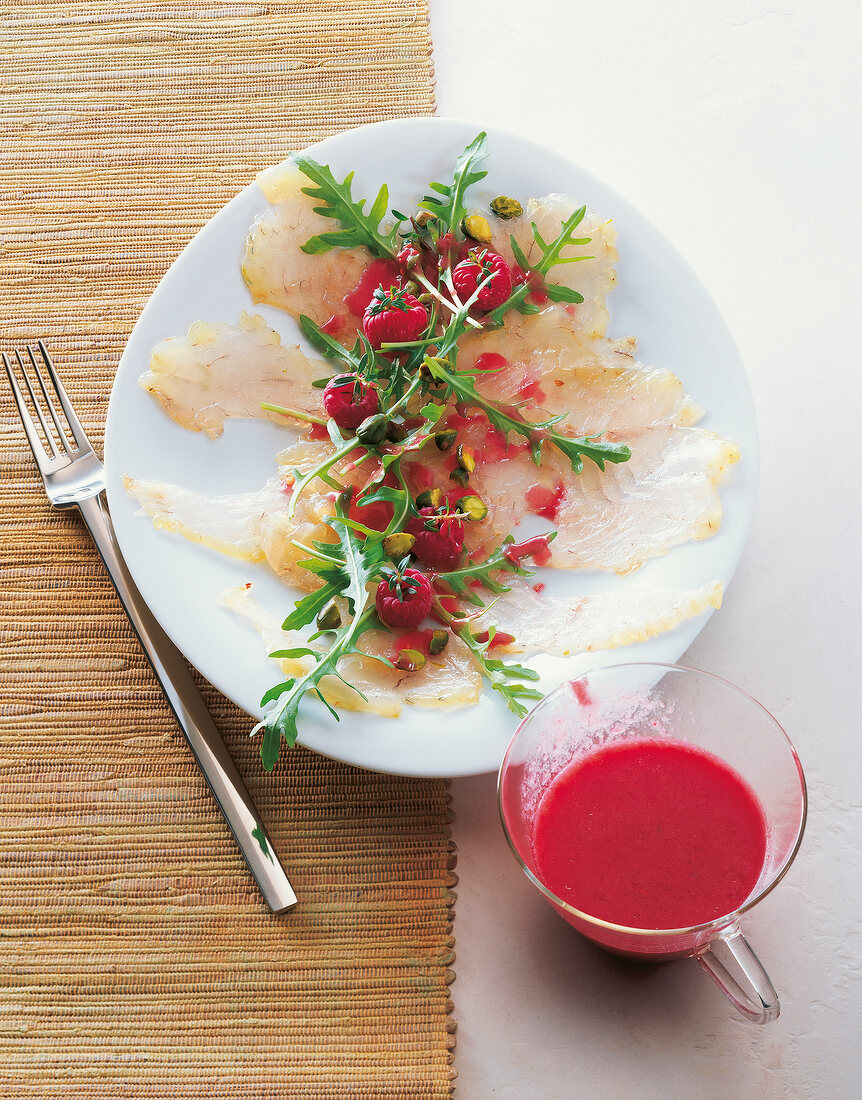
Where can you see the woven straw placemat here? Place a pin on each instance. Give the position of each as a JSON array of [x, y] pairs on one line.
[[136, 957]]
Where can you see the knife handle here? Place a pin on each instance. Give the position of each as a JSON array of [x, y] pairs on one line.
[[181, 691]]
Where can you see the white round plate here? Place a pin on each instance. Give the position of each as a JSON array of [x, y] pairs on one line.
[[659, 300]]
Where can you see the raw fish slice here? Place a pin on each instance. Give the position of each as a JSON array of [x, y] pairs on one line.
[[252, 525], [222, 370], [279, 273], [450, 680], [557, 368], [615, 519], [594, 278], [607, 620]]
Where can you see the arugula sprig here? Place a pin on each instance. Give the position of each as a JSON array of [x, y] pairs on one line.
[[504, 678], [450, 208], [488, 572], [508, 419], [356, 563], [330, 347], [507, 679], [357, 227], [551, 255]]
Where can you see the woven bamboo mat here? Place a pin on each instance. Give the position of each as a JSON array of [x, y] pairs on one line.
[[136, 958]]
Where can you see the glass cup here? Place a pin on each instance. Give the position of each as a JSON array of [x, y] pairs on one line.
[[628, 701]]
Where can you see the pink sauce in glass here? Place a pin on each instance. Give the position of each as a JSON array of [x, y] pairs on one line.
[[650, 834]]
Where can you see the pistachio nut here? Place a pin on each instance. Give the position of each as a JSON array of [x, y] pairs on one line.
[[429, 498], [445, 440], [466, 457], [439, 641], [473, 508], [396, 431], [410, 660], [398, 544], [329, 617], [476, 227], [372, 430], [460, 477], [506, 208]]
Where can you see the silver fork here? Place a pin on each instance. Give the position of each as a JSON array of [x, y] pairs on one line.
[[75, 478]]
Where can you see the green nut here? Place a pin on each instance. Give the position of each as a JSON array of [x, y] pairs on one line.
[[425, 216], [460, 477], [506, 208], [330, 617], [476, 227], [473, 508], [439, 641], [398, 544], [396, 432], [430, 498], [446, 439], [410, 660], [372, 430], [466, 458]]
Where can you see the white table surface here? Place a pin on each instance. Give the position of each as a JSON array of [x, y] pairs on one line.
[[735, 127]]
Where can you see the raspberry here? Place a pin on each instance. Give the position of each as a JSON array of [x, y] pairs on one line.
[[441, 547], [400, 605], [349, 400], [394, 316], [478, 265]]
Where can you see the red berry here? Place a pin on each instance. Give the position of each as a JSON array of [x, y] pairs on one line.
[[406, 256], [401, 605], [349, 400], [393, 316], [439, 548], [478, 266]]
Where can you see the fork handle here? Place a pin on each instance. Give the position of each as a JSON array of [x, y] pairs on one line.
[[191, 712]]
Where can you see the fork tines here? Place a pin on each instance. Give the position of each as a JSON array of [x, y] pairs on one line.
[[66, 440]]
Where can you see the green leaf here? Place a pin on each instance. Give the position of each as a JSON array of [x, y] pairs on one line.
[[358, 563], [451, 208], [260, 836], [327, 346], [291, 654], [516, 300], [276, 692], [269, 747], [503, 678], [559, 293], [508, 419], [518, 253], [488, 571], [551, 256], [582, 447], [552, 253], [357, 227]]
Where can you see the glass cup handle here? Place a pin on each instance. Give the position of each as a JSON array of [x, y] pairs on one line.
[[759, 1001]]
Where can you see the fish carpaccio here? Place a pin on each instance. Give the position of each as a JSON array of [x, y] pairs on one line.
[[558, 360]]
